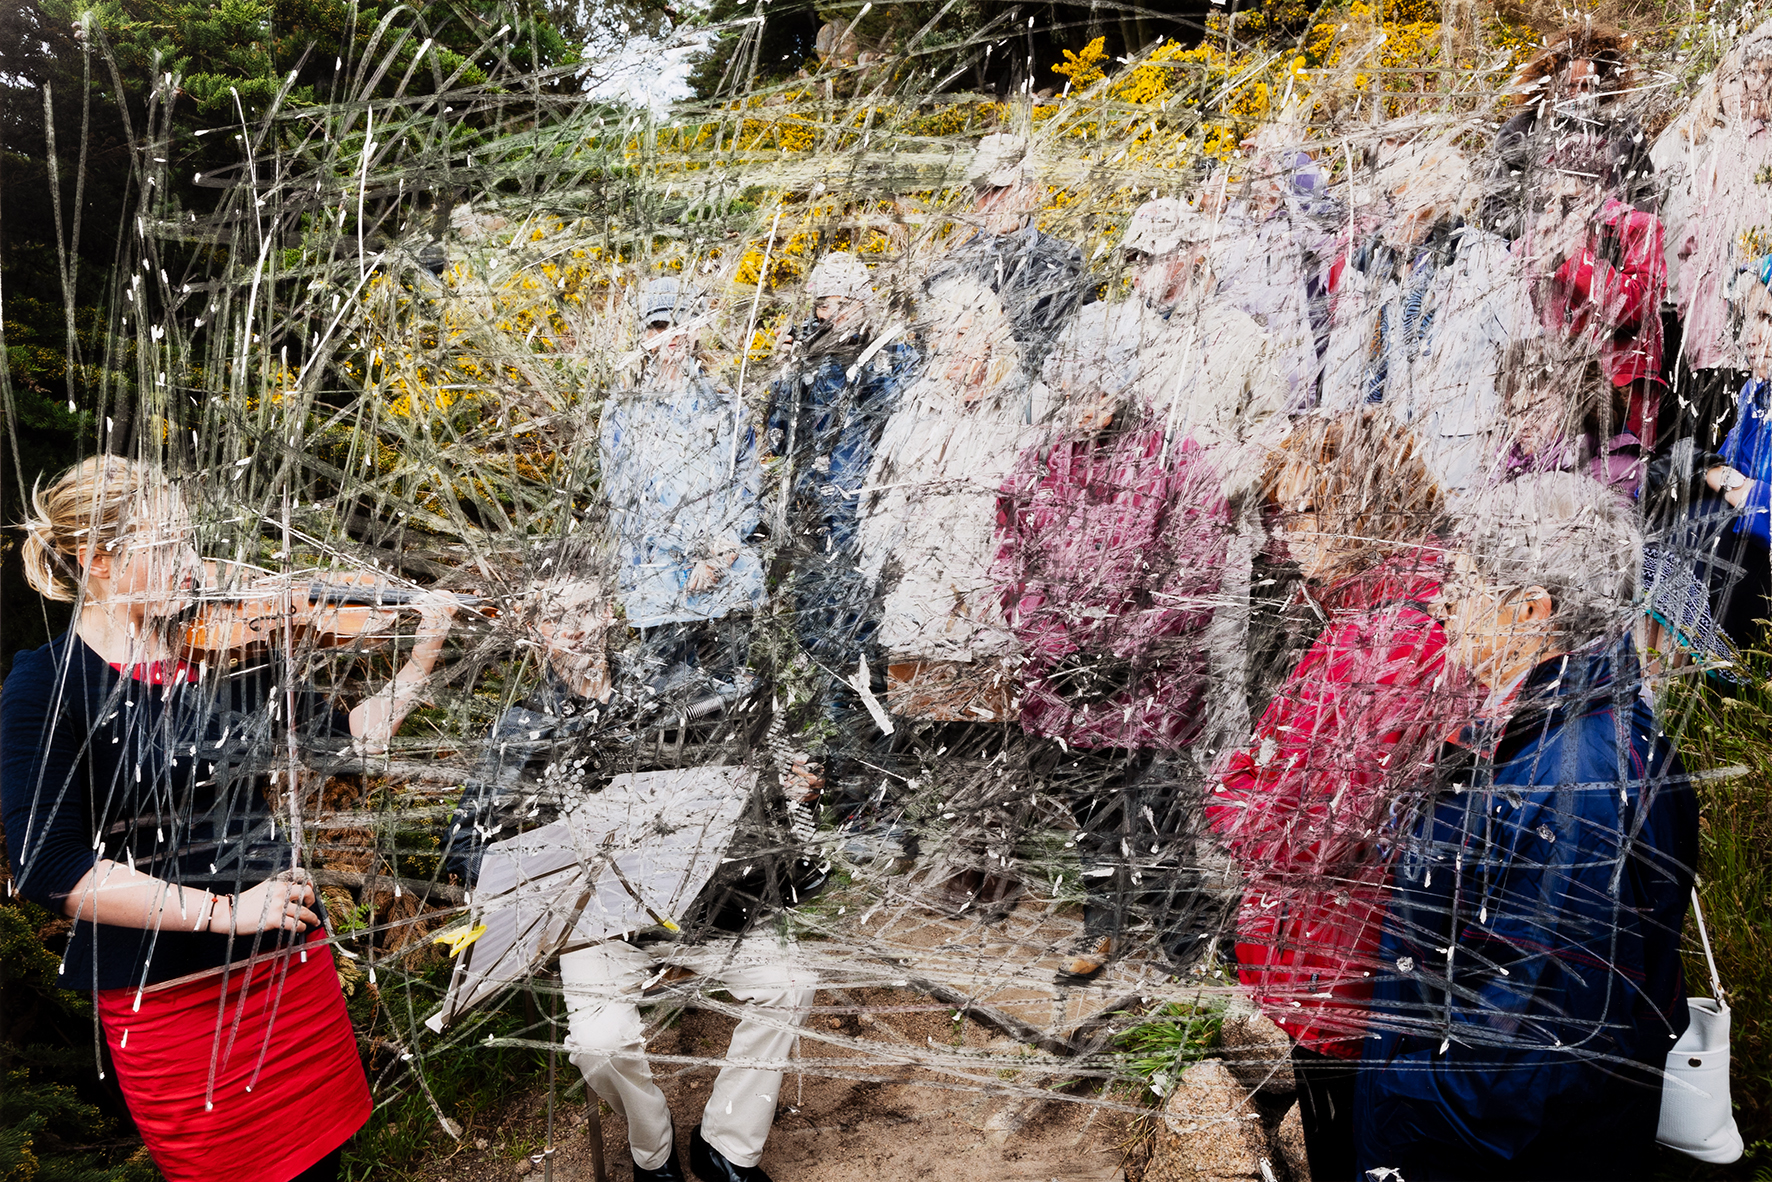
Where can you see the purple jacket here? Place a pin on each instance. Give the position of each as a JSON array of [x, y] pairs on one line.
[[1109, 554]]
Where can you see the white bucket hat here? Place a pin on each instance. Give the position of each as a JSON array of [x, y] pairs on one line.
[[1162, 225], [999, 160], [840, 274]]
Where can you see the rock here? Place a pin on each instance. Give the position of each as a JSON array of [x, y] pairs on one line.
[[1210, 1131], [524, 1165], [1289, 1146], [1258, 1052], [1002, 1126]]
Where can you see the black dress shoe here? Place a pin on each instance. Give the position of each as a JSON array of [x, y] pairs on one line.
[[710, 1165], [671, 1171]]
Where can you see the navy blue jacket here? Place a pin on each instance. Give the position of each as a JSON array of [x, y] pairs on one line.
[[1531, 981], [828, 420]]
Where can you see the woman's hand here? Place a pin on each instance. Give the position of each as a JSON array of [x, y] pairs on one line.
[[279, 903], [436, 615], [1732, 484], [706, 574]]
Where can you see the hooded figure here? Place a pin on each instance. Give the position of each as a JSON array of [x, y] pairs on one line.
[[1529, 982]]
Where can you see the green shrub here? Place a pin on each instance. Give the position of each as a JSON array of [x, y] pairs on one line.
[[1732, 729], [1167, 1042]]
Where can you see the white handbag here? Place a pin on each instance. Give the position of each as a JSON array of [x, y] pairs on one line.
[[1695, 1115]]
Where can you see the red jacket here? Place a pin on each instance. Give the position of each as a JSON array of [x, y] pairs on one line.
[[1109, 554], [1612, 291], [1304, 808]]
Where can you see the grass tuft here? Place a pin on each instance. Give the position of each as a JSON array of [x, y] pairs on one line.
[[1729, 727]]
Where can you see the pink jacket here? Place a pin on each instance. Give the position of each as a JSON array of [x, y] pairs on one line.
[[1303, 808], [1109, 553]]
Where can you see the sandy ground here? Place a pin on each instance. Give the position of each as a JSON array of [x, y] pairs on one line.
[[912, 1124]]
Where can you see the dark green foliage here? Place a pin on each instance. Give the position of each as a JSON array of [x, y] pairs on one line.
[[249, 47], [784, 45], [51, 1130], [469, 1080], [1733, 728], [46, 433]]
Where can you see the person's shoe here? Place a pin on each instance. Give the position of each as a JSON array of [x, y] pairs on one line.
[[979, 893], [808, 877], [710, 1165], [881, 841], [1087, 956], [671, 1171]]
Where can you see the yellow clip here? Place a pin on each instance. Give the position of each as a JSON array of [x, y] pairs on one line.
[[457, 940], [669, 926]]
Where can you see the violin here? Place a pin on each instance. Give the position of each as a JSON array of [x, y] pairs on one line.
[[243, 610]]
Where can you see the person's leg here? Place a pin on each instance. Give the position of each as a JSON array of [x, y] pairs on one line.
[[988, 808], [1098, 786], [1093, 792], [1326, 1109], [324, 1170], [607, 1044], [761, 971], [1171, 884], [831, 622]]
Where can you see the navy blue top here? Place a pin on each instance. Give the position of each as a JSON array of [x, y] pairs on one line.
[[1530, 982], [94, 765], [830, 413]]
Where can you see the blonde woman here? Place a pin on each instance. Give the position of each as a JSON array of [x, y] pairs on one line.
[[135, 789]]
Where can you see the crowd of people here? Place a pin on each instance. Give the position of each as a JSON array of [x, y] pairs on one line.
[[1354, 548]]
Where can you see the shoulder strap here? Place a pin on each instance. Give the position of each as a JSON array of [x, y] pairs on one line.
[[1716, 981]]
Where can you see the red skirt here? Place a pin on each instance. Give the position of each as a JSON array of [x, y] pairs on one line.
[[253, 1085]]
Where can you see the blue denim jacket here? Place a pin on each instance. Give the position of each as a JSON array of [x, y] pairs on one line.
[[683, 481]]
